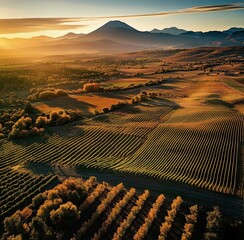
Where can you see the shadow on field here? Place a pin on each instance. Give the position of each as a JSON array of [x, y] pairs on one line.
[[168, 103], [164, 87], [161, 102], [191, 194], [68, 102], [39, 168], [219, 102], [118, 95], [30, 140], [173, 80], [213, 96]]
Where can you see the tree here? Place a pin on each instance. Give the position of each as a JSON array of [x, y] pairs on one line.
[[91, 87], [213, 224], [38, 200], [41, 121], [28, 108], [53, 116], [39, 230], [16, 224], [13, 237], [65, 216], [45, 209]]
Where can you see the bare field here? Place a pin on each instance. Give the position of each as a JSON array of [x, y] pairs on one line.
[[87, 103]]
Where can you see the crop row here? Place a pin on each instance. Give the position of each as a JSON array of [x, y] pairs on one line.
[[202, 151], [19, 189]]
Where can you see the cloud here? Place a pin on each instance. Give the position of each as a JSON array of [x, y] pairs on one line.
[[198, 9], [23, 25]]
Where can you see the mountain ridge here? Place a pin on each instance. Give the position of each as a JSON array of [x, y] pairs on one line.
[[170, 30], [123, 38]]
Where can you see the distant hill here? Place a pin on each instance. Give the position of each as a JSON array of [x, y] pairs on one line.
[[117, 36], [233, 29], [237, 36], [71, 35], [171, 30]]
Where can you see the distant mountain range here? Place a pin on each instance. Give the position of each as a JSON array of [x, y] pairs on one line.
[[117, 36], [171, 30]]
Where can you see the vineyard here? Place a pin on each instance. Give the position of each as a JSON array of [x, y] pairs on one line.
[[200, 147], [17, 189], [195, 146], [160, 131], [79, 209], [96, 144]]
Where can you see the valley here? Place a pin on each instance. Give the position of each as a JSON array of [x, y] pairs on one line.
[[167, 121]]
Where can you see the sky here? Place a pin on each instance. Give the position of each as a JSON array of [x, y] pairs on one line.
[[28, 18]]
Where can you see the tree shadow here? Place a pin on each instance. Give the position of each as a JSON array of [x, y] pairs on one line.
[[40, 168], [117, 94], [167, 102], [173, 80], [26, 142], [219, 102], [158, 102], [165, 87], [68, 102], [213, 96]]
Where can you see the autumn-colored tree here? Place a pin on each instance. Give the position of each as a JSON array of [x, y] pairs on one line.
[[39, 230], [41, 121], [16, 224], [15, 237], [65, 216], [213, 224], [91, 87], [28, 108], [38, 200], [49, 205], [53, 116]]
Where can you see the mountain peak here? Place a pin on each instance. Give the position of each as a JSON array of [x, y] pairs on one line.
[[112, 27], [117, 24]]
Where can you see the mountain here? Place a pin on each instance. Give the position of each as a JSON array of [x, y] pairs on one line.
[[237, 36], [114, 30], [71, 35], [171, 30], [121, 32], [114, 25], [190, 34], [117, 36], [233, 29], [42, 38]]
